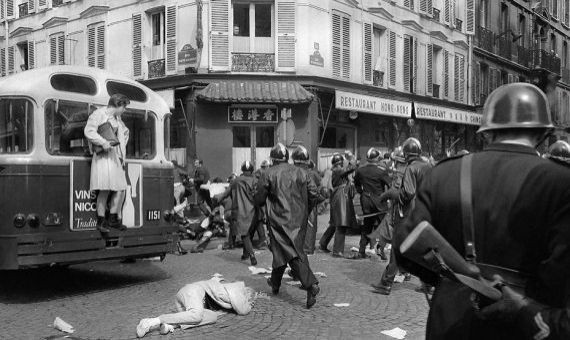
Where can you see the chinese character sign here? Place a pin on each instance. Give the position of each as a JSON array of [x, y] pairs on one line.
[[244, 114]]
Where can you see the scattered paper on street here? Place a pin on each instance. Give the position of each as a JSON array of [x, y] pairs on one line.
[[344, 304], [267, 276], [399, 278], [293, 283], [320, 274], [63, 326], [217, 275], [255, 271], [397, 333], [354, 249], [262, 295]]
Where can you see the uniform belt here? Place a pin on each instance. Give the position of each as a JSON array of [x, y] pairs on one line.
[[512, 278]]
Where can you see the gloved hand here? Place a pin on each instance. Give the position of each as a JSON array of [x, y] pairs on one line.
[[507, 307]]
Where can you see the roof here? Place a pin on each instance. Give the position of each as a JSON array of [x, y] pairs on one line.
[[255, 91]]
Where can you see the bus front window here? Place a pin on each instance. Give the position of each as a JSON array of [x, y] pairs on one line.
[[16, 125], [65, 121]]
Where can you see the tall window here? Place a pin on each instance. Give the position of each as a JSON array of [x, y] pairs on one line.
[[505, 24], [483, 13], [379, 56], [158, 40], [522, 29], [410, 63], [553, 45], [57, 49], [253, 27], [565, 54]]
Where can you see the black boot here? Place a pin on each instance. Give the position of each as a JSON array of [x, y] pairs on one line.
[[312, 293], [102, 224], [114, 222], [181, 250], [199, 248]]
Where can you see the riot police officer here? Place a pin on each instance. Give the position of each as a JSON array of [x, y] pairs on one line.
[[513, 222]]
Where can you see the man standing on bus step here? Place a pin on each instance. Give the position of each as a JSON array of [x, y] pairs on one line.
[[370, 181], [286, 190]]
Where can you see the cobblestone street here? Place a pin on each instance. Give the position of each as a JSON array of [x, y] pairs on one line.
[[106, 300]]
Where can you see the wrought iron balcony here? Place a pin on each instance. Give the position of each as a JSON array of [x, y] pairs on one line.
[[156, 68], [459, 24], [253, 62], [546, 60], [485, 39], [524, 56], [436, 90], [436, 14], [504, 47]]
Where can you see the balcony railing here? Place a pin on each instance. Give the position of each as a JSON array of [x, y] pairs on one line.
[[156, 68], [436, 90], [485, 39], [546, 60], [459, 24], [253, 62], [504, 47], [436, 14], [378, 78], [523, 56]]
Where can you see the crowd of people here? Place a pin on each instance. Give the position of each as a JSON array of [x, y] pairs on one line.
[[506, 210]]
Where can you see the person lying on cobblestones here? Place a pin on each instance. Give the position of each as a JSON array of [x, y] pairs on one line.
[[200, 303]]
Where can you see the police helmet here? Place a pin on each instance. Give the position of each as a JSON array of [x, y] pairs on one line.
[[372, 155], [300, 155], [337, 159], [311, 164], [265, 163], [279, 153], [246, 166], [411, 147], [560, 149], [516, 105], [398, 155]]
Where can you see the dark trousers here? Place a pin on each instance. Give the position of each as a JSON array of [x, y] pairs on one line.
[[391, 270], [260, 230], [366, 229], [302, 270], [247, 246], [311, 237], [327, 236]]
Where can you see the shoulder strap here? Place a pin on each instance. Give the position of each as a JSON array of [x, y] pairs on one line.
[[465, 186]]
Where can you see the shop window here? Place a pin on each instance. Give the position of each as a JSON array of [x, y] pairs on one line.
[[337, 138], [264, 136], [16, 126], [242, 137]]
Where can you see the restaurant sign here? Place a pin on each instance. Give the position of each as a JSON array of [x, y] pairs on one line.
[[376, 105], [252, 114], [447, 114]]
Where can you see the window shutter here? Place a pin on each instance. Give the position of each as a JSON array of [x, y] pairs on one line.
[[336, 40], [91, 46], [447, 12], [423, 6], [101, 46], [414, 72], [462, 78], [345, 47], [429, 72], [42, 4], [61, 49], [456, 78], [10, 59], [367, 52], [137, 45], [567, 13], [31, 54], [554, 8], [171, 13], [392, 57], [477, 84], [2, 9], [430, 7], [493, 80], [10, 13], [31, 6], [407, 62], [220, 35], [3, 61], [446, 73], [470, 17], [285, 36], [53, 50]]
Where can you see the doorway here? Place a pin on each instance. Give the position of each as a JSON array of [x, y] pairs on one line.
[[251, 142]]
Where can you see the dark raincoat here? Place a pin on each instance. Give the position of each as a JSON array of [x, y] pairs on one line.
[[242, 191], [342, 209], [286, 190]]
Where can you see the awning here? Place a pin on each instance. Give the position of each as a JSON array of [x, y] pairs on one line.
[[255, 91]]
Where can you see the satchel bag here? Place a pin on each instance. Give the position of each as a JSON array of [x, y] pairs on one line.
[[106, 131]]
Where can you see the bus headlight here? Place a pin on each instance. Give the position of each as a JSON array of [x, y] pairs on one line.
[[19, 220], [33, 220]]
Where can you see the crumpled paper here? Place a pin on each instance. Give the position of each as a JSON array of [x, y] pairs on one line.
[[63, 326], [293, 283], [399, 278], [397, 333], [343, 304], [255, 271], [320, 274]]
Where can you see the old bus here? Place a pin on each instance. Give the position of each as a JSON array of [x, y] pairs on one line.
[[47, 212]]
